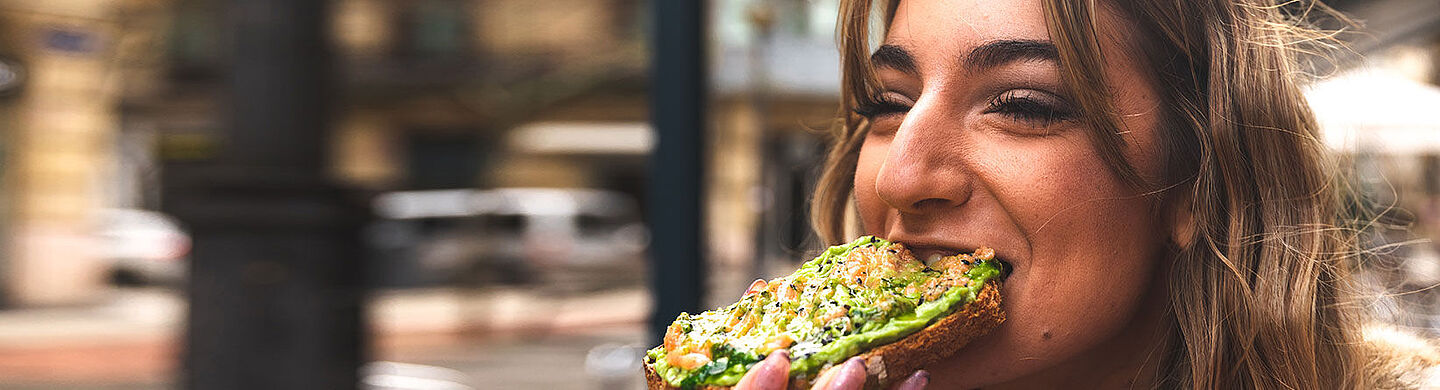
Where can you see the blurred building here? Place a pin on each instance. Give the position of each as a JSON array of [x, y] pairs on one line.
[[60, 122], [426, 90], [429, 94], [775, 77], [436, 94], [98, 96], [433, 89]]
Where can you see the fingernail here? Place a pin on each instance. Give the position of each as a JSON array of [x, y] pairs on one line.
[[756, 286], [779, 354], [851, 375], [916, 381], [769, 373]]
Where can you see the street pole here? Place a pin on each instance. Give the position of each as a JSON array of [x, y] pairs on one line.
[[677, 108], [275, 287]]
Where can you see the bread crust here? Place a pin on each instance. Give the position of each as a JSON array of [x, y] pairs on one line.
[[890, 363]]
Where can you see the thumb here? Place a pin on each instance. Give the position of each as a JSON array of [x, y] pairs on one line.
[[916, 381], [770, 374]]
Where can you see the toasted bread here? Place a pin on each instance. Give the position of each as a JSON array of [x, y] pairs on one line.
[[893, 362], [890, 362]]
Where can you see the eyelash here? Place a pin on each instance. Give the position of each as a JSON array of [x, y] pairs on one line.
[[1010, 104], [879, 106], [1020, 108]]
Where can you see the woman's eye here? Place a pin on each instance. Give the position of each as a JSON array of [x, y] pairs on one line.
[[1032, 107], [879, 106]]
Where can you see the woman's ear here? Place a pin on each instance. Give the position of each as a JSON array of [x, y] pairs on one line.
[[1181, 218]]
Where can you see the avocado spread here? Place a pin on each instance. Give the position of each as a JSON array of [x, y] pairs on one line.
[[849, 299]]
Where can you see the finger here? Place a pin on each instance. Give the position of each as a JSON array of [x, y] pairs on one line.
[[757, 286], [848, 376], [826, 376], [769, 374], [916, 381]]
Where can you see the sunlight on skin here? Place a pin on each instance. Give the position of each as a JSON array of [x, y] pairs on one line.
[[997, 156]]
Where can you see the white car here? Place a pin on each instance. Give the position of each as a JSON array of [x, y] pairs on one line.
[[524, 235], [143, 247]]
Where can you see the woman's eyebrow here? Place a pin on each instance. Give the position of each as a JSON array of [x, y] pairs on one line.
[[988, 55], [894, 57], [1000, 52]]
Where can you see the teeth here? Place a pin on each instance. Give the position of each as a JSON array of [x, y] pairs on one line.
[[934, 257]]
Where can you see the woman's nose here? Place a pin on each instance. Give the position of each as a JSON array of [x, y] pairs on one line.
[[926, 167]]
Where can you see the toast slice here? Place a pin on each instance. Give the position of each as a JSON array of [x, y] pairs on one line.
[[870, 298]]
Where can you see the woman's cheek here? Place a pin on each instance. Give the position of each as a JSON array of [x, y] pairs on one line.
[[1035, 179], [867, 170]]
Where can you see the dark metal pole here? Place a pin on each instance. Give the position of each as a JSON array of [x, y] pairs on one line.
[[275, 292], [677, 108]]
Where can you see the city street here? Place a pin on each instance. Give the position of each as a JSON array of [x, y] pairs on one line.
[[504, 336]]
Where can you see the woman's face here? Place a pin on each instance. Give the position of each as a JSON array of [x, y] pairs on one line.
[[977, 142]]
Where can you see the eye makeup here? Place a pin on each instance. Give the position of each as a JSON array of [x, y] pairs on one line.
[[1032, 107], [882, 105]]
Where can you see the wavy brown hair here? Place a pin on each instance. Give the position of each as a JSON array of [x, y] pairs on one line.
[[1261, 282]]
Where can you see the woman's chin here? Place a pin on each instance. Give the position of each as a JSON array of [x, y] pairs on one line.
[[984, 362], [1004, 355]]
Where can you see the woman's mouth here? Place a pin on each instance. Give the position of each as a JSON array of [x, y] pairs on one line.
[[930, 254]]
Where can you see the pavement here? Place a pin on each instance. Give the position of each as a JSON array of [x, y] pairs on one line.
[[503, 338]]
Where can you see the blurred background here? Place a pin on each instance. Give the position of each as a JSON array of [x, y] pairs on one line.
[[451, 194]]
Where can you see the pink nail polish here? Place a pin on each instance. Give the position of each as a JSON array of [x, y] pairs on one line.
[[781, 354], [916, 381], [850, 376]]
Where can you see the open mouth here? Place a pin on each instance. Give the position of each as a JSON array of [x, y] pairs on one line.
[[932, 255]]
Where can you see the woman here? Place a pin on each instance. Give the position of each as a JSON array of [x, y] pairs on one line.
[[1149, 168]]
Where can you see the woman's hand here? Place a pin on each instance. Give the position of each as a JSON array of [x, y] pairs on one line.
[[773, 373], [770, 374]]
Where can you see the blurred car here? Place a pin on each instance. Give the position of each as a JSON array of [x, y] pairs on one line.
[[143, 247], [575, 238], [405, 376]]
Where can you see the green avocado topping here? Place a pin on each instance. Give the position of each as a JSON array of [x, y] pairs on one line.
[[851, 298]]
